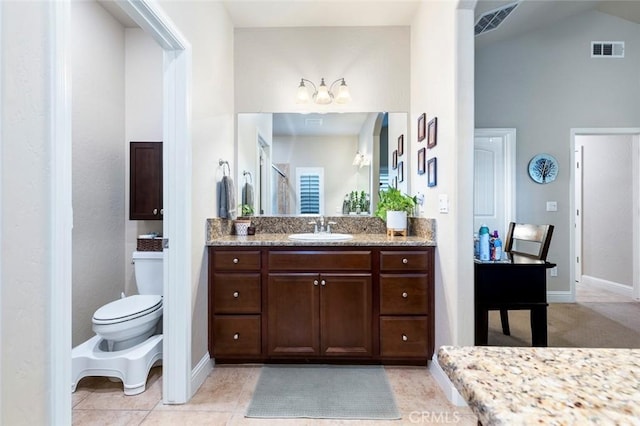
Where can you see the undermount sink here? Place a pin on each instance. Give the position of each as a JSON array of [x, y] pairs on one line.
[[321, 236]]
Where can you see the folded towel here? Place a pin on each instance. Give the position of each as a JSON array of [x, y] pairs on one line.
[[247, 194], [226, 198]]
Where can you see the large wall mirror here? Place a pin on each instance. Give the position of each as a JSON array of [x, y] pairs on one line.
[[315, 164]]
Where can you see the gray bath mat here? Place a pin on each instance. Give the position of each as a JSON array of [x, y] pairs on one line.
[[323, 392]]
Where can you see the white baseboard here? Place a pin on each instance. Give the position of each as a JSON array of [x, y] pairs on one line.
[[560, 297], [613, 287], [445, 384], [200, 373]]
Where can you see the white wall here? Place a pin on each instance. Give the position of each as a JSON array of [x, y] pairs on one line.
[[98, 162], [442, 86], [334, 154], [208, 28], [143, 122], [26, 224], [607, 208], [270, 62], [545, 83]]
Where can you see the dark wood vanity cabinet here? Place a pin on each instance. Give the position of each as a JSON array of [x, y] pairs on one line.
[[321, 303], [145, 181]]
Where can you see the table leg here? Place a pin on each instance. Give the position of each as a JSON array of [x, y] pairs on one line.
[[481, 326], [539, 326]]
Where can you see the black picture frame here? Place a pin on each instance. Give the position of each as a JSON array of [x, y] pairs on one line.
[[432, 172], [400, 145], [394, 159], [432, 133], [422, 154], [422, 121], [401, 171]]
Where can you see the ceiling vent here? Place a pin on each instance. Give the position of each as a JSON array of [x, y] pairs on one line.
[[607, 49], [491, 20], [313, 122]]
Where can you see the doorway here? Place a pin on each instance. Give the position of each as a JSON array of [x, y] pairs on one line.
[[494, 186], [606, 194]]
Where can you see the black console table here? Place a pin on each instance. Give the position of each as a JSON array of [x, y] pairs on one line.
[[514, 284]]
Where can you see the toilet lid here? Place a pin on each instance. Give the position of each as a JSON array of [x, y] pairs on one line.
[[127, 308]]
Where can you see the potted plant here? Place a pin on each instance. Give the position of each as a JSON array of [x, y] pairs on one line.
[[393, 208]]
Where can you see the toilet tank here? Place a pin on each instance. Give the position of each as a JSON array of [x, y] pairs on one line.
[[148, 271]]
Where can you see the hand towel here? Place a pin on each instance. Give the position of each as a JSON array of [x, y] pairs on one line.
[[247, 194], [226, 198]]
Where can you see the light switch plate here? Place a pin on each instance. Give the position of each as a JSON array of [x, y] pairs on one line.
[[552, 206], [554, 271], [443, 203]]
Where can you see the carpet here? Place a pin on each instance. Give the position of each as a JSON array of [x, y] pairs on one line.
[[323, 392], [578, 325]]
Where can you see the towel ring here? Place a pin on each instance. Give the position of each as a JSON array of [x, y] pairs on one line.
[[245, 173], [223, 163]]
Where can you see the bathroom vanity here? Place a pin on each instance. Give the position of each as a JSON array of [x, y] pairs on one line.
[[368, 299]]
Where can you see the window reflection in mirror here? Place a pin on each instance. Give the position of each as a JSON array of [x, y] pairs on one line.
[[332, 163]]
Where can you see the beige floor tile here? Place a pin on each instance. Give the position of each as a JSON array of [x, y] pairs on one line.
[[191, 418], [108, 417]]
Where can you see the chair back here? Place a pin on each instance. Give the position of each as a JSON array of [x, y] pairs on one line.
[[528, 240]]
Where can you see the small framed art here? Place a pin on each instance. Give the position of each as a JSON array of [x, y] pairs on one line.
[[432, 132], [421, 160], [401, 171], [400, 145], [394, 159], [422, 122], [432, 172]]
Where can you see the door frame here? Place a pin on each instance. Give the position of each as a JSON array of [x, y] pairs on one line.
[[509, 135], [575, 234], [177, 198]]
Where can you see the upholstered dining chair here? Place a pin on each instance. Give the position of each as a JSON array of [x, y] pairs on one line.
[[526, 241]]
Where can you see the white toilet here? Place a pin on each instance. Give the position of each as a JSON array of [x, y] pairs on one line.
[[128, 340]]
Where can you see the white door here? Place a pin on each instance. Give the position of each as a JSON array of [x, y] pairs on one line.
[[494, 179]]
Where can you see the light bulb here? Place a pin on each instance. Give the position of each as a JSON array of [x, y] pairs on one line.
[[322, 95], [343, 93]]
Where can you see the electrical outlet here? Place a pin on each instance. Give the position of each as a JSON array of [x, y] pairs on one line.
[[552, 206], [554, 271], [443, 203]]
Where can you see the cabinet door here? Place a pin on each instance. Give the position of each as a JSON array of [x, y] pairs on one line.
[[345, 314], [293, 311], [145, 185]]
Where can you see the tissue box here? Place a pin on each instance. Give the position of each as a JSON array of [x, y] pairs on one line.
[[149, 243]]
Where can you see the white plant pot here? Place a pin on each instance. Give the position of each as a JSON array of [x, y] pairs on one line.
[[397, 220]]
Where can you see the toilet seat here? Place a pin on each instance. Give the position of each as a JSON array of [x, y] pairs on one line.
[[127, 309]]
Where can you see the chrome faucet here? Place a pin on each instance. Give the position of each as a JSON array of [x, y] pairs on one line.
[[318, 225]]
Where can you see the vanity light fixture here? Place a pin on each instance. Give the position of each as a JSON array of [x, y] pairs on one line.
[[361, 160], [322, 94]]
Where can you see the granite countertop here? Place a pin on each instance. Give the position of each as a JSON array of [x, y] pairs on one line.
[[278, 239], [550, 386]]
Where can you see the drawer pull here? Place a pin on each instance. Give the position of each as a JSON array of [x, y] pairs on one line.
[[235, 260], [404, 338], [405, 295], [405, 260], [236, 336], [236, 294], [323, 282], [315, 282]]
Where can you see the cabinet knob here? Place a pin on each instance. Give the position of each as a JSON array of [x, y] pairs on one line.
[[323, 282], [236, 294], [405, 294], [236, 336], [155, 212], [235, 260], [405, 260], [404, 338], [315, 282]]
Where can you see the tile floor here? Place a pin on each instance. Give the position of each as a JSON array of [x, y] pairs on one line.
[[225, 396]]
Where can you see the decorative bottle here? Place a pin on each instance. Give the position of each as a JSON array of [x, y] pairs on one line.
[[496, 252], [483, 234]]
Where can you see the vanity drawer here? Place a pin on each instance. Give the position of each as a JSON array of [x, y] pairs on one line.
[[403, 260], [236, 260], [404, 294], [236, 293], [404, 336], [236, 335], [319, 260]]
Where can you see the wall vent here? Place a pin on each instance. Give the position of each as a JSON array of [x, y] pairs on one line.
[[489, 21], [313, 122], [607, 49]]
